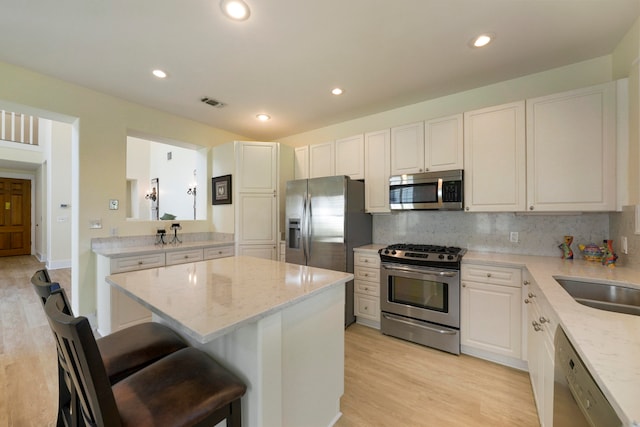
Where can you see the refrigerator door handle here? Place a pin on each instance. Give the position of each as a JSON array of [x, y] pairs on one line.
[[307, 233], [303, 229]]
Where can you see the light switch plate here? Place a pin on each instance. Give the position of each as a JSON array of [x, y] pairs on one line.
[[113, 204]]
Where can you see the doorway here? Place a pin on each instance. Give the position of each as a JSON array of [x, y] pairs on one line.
[[15, 219]]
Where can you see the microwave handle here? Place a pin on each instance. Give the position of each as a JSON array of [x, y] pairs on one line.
[[440, 192]]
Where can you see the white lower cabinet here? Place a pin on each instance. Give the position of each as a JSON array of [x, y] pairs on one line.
[[541, 328], [367, 288], [491, 313], [116, 310]]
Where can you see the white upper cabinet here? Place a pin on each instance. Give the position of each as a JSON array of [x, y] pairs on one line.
[[443, 143], [494, 158], [259, 167], [571, 150], [377, 153], [407, 149], [350, 156], [322, 158], [301, 162]]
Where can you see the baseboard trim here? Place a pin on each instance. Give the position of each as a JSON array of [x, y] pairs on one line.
[[56, 265]]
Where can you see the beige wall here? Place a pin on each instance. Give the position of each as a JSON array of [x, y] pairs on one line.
[[101, 124], [557, 80]]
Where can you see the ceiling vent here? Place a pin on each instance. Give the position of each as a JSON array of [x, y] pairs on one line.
[[212, 102]]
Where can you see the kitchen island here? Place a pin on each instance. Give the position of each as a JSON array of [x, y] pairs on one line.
[[278, 326]]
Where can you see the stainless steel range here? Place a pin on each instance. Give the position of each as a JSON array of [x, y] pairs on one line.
[[420, 294]]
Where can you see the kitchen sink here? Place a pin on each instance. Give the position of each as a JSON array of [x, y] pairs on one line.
[[604, 296]]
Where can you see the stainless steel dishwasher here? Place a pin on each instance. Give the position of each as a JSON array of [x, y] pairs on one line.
[[577, 399]]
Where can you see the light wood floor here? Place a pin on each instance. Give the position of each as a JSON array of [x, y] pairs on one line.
[[388, 382]]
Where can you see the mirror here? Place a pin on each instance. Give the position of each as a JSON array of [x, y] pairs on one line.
[[164, 180]]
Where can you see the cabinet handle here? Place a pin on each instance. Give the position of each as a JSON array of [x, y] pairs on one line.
[[366, 261], [526, 283], [366, 289], [543, 319], [488, 274], [466, 208], [531, 295], [140, 263], [219, 252], [531, 208], [536, 326], [526, 301], [186, 257], [464, 285]]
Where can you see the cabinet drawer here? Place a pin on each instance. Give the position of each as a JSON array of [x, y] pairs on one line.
[[218, 252], [132, 263], [181, 257], [365, 273], [367, 307], [367, 259], [364, 287], [490, 274]]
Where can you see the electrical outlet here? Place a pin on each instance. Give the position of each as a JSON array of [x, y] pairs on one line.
[[625, 246], [513, 237]]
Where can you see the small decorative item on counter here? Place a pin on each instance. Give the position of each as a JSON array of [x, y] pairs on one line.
[[160, 236], [609, 257], [567, 253], [591, 252]]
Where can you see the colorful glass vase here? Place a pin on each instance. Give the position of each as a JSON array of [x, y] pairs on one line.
[[609, 257], [567, 252]]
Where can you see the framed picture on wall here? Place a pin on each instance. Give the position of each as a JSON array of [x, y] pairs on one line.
[[221, 190]]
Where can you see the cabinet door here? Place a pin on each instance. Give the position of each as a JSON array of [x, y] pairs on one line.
[[494, 158], [301, 163], [350, 157], [257, 169], [322, 159], [571, 150], [490, 318], [377, 154], [407, 149], [443, 143], [258, 251], [535, 342], [257, 219]]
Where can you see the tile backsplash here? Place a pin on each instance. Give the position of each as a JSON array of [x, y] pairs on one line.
[[624, 224], [490, 232]]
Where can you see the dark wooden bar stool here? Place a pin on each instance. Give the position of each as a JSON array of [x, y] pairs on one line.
[[185, 388], [123, 352]]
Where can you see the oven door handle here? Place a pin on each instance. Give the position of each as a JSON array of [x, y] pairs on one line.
[[417, 270], [418, 325]]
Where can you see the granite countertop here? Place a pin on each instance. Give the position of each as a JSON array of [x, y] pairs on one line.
[[208, 299], [608, 343], [124, 251]]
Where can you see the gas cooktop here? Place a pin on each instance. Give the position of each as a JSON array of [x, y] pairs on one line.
[[416, 254]]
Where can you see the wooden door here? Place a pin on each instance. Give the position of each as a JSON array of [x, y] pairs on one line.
[[15, 219]]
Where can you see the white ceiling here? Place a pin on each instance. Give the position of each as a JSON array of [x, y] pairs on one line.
[[288, 55]]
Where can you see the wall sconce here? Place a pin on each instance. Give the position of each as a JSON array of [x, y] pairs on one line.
[[153, 196], [192, 192]]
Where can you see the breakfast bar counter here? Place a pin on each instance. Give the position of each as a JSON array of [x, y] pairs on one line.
[[279, 326]]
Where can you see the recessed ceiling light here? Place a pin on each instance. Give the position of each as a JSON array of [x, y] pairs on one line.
[[237, 10], [263, 117], [482, 40], [337, 91], [159, 74]]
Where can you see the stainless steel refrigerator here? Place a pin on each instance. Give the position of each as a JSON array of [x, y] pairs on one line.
[[325, 220]]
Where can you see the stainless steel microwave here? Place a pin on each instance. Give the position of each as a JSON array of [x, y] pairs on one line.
[[429, 190]]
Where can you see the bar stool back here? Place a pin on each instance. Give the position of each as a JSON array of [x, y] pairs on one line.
[[184, 389]]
